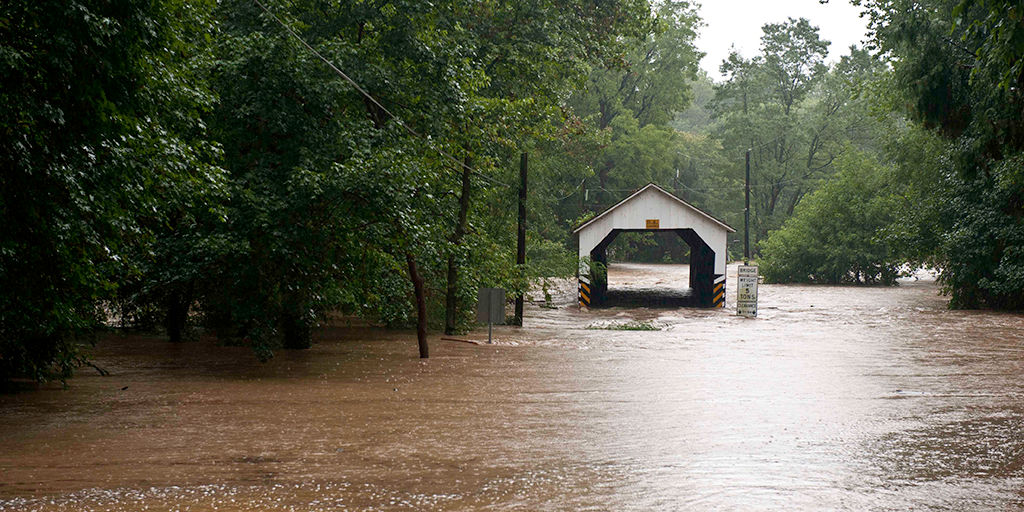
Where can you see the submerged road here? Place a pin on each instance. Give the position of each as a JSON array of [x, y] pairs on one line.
[[857, 398]]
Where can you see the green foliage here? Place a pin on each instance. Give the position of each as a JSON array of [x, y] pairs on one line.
[[102, 143], [696, 118], [794, 114], [330, 195], [957, 65], [174, 161], [984, 250], [999, 26], [650, 85], [309, 163], [598, 273], [632, 104], [837, 233], [649, 247], [640, 247]]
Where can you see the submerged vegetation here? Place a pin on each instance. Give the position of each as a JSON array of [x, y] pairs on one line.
[[181, 165], [635, 325]]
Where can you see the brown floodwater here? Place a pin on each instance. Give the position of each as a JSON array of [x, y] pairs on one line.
[[835, 398]]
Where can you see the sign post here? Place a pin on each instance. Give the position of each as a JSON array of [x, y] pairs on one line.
[[746, 291], [490, 308]]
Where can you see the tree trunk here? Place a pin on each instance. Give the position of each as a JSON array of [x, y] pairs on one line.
[[797, 196], [451, 301], [177, 313], [421, 305], [521, 238], [296, 328]]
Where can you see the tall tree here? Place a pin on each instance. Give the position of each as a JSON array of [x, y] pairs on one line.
[[838, 232], [957, 66], [640, 96], [322, 173], [531, 55], [102, 141], [794, 113]]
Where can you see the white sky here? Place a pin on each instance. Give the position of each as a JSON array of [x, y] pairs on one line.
[[738, 22]]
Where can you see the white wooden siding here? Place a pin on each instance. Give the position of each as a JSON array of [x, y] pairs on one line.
[[649, 203]]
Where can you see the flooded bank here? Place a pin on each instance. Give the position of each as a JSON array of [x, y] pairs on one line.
[[854, 398]]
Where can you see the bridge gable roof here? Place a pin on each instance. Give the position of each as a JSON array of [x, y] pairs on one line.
[[638, 196]]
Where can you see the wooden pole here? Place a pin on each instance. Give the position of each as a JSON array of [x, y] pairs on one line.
[[521, 239], [746, 217]]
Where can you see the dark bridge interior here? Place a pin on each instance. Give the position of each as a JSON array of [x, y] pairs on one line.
[[698, 294]]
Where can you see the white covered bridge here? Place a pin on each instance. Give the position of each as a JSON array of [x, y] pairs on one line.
[[652, 208]]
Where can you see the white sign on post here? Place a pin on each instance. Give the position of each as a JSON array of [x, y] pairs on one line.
[[746, 291]]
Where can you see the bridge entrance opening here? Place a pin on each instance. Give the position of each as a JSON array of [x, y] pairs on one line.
[[691, 290]]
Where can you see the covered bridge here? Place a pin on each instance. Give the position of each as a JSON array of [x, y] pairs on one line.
[[652, 208]]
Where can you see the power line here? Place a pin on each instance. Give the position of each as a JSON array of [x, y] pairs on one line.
[[706, 190], [767, 142], [574, 190], [373, 100]]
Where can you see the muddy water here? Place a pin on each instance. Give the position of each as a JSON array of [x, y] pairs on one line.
[[835, 398]]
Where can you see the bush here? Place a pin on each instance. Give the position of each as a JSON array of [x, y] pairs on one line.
[[836, 234]]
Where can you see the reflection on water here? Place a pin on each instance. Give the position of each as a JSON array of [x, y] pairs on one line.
[[835, 398]]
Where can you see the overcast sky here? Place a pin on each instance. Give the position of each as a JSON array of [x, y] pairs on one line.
[[738, 22]]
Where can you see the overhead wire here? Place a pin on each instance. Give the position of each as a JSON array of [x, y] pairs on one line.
[[715, 189], [574, 190], [704, 190], [459, 163], [766, 143]]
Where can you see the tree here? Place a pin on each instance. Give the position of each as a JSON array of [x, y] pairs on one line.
[[322, 175], [764, 105], [326, 181], [996, 25], [652, 83], [102, 141], [696, 118], [838, 233], [645, 90], [527, 72], [795, 114], [957, 69]]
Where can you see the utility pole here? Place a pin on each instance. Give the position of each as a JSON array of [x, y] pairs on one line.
[[746, 217], [521, 241]]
